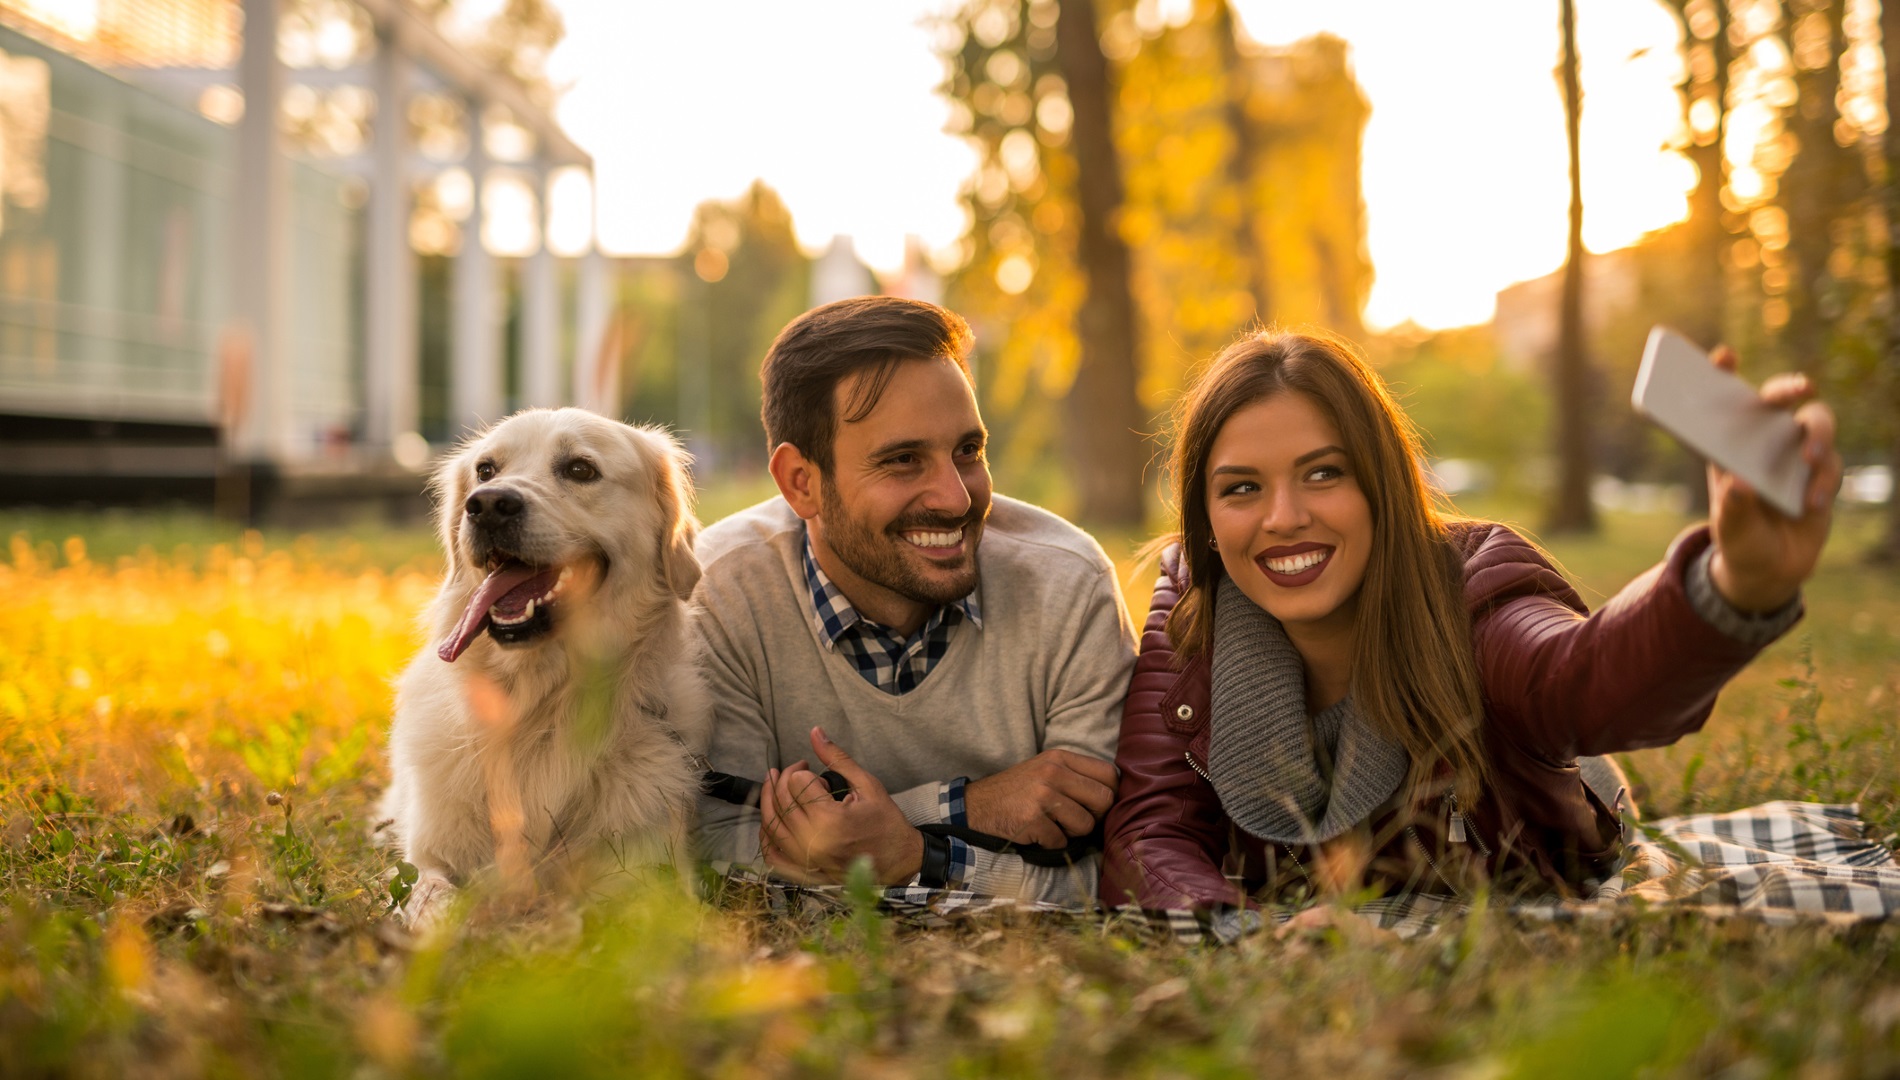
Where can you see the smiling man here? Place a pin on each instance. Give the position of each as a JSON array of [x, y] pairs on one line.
[[958, 657]]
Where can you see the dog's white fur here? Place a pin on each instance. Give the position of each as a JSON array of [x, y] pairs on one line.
[[581, 774]]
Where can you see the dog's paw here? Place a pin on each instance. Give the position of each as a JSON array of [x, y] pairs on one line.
[[427, 909]]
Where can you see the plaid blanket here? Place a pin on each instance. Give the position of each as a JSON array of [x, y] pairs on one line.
[[1781, 862]]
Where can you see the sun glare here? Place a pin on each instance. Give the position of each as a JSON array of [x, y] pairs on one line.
[[833, 105], [511, 215], [1465, 170], [1465, 174], [80, 18], [570, 212]]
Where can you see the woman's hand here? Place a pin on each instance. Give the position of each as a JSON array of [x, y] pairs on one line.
[[1761, 555]]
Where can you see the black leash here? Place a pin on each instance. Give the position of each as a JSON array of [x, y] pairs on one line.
[[743, 792]]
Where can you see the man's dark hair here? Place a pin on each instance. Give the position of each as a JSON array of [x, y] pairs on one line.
[[826, 345]]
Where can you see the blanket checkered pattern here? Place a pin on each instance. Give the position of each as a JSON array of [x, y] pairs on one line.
[[1780, 862]]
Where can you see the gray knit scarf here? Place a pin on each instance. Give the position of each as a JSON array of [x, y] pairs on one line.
[[1281, 775]]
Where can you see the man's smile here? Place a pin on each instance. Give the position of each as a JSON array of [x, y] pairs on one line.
[[940, 543]]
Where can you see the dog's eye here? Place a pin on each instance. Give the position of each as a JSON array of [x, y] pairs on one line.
[[581, 471], [485, 471]]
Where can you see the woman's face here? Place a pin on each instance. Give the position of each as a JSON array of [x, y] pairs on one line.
[[1293, 528]]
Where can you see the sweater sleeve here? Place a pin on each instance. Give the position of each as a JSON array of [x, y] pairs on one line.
[[1642, 671], [992, 873], [1082, 706], [1089, 677], [743, 742]]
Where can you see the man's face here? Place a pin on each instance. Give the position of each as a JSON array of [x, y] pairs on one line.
[[904, 503]]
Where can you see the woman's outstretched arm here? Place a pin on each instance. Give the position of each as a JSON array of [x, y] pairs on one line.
[[1645, 669]]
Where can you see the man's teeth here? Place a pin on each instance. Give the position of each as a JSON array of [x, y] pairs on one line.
[[935, 539], [1294, 564]]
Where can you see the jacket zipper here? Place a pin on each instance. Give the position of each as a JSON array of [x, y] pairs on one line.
[[1188, 756], [1192, 764], [1411, 833], [1457, 832]]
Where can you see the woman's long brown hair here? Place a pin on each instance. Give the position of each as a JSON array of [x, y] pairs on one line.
[[1414, 676]]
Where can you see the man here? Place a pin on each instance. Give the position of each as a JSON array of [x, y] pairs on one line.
[[959, 658]]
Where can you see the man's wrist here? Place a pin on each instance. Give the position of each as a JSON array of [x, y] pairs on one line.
[[911, 859]]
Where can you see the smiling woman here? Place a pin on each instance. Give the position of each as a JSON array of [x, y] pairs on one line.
[[1279, 471], [1341, 687], [1290, 448]]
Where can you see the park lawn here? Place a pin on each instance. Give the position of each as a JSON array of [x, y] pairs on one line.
[[161, 677]]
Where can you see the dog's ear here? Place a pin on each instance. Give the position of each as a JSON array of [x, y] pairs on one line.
[[673, 491], [449, 485]]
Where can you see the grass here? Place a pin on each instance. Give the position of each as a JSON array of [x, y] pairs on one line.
[[191, 722]]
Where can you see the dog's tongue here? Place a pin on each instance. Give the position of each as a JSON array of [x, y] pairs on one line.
[[498, 584]]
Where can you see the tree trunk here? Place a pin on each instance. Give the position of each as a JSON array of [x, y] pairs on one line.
[[1572, 511], [1104, 411], [1707, 322], [1812, 191], [1242, 160], [1889, 548]]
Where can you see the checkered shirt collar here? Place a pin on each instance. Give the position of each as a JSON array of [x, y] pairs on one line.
[[833, 614]]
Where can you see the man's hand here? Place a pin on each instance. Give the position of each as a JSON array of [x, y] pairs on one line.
[[809, 837], [1761, 555], [1043, 801]]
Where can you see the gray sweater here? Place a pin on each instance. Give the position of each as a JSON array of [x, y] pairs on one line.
[[1047, 669]]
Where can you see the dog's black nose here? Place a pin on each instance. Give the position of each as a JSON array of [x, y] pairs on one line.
[[490, 508]]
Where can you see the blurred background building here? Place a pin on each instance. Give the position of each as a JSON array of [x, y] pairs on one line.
[[276, 252], [275, 249]]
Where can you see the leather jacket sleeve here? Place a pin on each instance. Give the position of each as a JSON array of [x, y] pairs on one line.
[[1166, 830], [1643, 671]]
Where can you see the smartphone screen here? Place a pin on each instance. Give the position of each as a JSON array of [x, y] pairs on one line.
[[1718, 415]]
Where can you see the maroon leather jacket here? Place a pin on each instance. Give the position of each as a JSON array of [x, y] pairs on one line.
[[1557, 683]]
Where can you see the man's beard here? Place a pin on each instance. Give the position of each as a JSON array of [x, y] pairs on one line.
[[877, 558]]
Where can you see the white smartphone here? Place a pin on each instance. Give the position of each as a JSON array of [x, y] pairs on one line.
[[1722, 418]]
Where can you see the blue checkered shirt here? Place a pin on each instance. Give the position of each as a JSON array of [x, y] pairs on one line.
[[896, 666], [893, 665]]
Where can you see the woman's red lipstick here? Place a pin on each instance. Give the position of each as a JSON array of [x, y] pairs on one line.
[[1304, 577]]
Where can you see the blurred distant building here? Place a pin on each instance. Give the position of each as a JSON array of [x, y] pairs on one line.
[[217, 219], [918, 280], [1526, 316], [839, 274], [1626, 292]]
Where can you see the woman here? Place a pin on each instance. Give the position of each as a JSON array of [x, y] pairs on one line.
[[1341, 688]]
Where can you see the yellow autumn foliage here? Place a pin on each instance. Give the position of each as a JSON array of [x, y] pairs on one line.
[[197, 669], [1239, 167]]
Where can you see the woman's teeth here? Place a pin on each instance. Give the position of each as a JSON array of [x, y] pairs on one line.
[[1293, 564], [935, 539]]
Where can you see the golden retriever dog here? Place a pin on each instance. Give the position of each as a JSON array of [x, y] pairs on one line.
[[557, 707]]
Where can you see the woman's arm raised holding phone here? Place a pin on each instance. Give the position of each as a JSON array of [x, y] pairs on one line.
[[1761, 555]]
